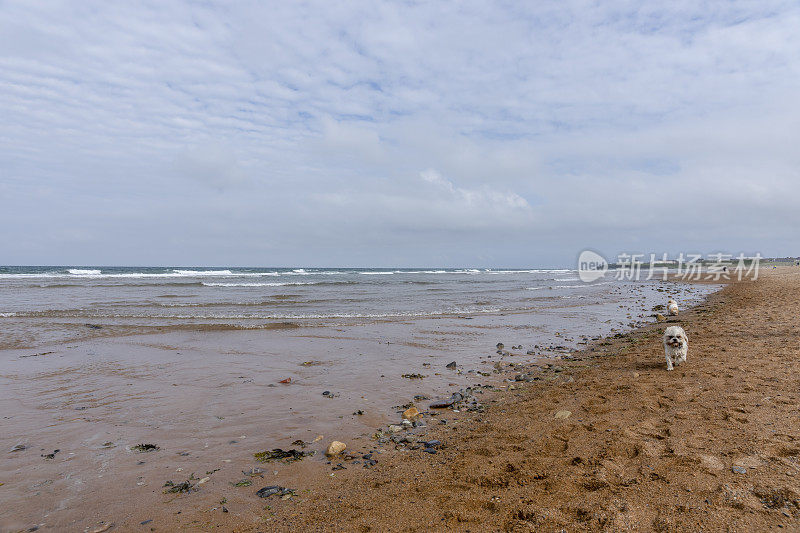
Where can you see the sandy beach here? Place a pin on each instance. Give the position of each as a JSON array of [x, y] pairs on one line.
[[612, 442], [209, 394], [598, 439]]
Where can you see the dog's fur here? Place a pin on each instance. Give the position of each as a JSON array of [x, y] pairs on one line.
[[672, 307], [676, 346]]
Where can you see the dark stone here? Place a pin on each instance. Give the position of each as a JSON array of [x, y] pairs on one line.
[[451, 365], [266, 492]]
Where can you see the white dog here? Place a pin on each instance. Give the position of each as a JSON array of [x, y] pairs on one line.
[[676, 346], [672, 307]]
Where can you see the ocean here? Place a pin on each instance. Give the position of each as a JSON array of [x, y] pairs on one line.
[[40, 305]]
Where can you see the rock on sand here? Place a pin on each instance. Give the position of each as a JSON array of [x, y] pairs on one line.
[[335, 448], [411, 413]]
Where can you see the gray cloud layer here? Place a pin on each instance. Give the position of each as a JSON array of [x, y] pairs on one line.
[[396, 133]]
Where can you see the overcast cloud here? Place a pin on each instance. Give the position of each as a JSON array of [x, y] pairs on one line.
[[396, 133]]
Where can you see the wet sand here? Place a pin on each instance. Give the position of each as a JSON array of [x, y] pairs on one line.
[[712, 446], [210, 400]]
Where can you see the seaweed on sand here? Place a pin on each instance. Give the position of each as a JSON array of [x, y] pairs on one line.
[[145, 448], [287, 456], [178, 487]]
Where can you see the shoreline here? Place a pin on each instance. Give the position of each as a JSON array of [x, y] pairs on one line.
[[307, 472], [612, 442]]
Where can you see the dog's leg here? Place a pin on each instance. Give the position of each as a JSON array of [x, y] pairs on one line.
[[669, 363]]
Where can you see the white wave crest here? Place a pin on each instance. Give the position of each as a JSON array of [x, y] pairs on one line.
[[265, 284], [83, 272], [203, 272]]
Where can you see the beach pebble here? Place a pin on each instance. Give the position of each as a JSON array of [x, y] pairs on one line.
[[451, 365], [411, 413], [739, 469], [334, 448], [560, 415]]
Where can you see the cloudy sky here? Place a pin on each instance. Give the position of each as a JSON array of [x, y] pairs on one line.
[[371, 133]]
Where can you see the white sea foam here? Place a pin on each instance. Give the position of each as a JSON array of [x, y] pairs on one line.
[[203, 272], [581, 285], [178, 273], [264, 284], [530, 271], [97, 274], [309, 316]]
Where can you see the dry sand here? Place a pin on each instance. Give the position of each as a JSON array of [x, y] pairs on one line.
[[712, 446]]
